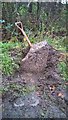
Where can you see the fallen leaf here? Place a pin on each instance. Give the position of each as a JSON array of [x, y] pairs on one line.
[[60, 95]]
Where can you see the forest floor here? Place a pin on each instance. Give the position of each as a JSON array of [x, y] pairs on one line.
[[34, 95], [38, 100]]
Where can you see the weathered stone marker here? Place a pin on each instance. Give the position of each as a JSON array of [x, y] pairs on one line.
[[36, 58]]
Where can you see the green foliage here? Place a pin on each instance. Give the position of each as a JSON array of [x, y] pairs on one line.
[[43, 15], [17, 89], [23, 10], [10, 29], [7, 66], [34, 9], [56, 42], [8, 26], [7, 63], [62, 68]]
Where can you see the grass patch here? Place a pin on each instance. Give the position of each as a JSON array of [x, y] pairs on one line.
[[62, 68], [57, 43], [7, 63]]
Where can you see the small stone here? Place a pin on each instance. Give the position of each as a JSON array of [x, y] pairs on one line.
[[19, 103]]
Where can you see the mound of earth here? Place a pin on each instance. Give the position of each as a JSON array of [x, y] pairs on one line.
[[36, 58], [39, 90]]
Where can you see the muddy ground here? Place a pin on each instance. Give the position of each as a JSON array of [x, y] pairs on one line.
[[39, 95]]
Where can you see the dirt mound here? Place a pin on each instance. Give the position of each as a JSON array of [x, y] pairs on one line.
[[38, 85], [38, 57]]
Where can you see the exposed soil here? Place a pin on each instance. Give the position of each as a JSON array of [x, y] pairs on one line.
[[38, 100], [32, 95]]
